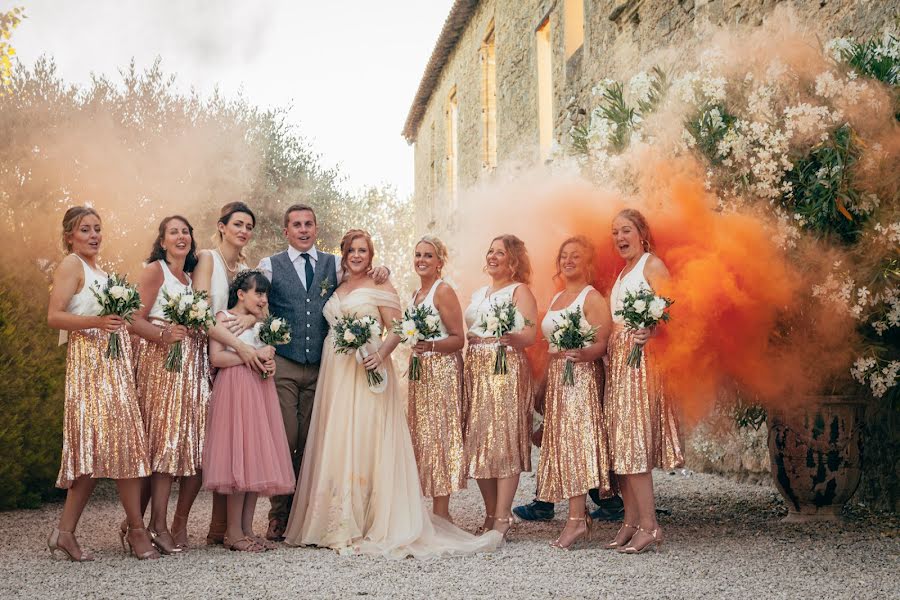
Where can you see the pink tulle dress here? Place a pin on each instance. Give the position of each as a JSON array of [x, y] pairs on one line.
[[246, 447]]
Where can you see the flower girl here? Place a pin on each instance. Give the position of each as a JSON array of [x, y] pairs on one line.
[[246, 453]]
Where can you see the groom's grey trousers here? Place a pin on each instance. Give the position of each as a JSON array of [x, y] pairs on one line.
[[296, 385]]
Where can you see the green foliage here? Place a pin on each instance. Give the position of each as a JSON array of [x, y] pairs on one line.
[[875, 58], [32, 367], [9, 20], [659, 85], [708, 127], [823, 191]]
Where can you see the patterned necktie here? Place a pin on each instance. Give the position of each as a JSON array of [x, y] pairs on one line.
[[309, 270]]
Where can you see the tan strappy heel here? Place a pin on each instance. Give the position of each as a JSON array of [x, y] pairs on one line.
[[581, 538], [481, 529], [53, 546], [509, 530], [653, 543], [148, 555], [614, 544]]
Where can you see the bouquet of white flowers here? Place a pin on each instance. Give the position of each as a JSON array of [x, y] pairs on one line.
[[273, 331], [502, 318], [117, 297], [354, 334], [643, 309], [572, 332], [419, 323], [190, 309]]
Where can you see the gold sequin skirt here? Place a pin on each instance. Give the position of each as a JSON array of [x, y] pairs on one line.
[[435, 424], [103, 435], [640, 420], [574, 457], [174, 404], [498, 413]]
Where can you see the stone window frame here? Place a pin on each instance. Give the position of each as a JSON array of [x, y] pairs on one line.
[[488, 104]]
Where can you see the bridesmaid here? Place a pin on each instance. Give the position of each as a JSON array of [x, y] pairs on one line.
[[435, 401], [173, 404], [497, 428], [573, 451], [643, 431], [103, 435], [215, 270]]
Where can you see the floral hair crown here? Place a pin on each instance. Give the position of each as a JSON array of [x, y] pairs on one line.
[[243, 276]]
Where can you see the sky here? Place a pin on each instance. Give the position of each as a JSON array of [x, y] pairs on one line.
[[348, 69]]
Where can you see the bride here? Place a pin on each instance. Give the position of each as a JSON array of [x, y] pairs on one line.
[[358, 490]]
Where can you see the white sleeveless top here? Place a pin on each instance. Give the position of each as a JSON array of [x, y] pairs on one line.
[[219, 282], [248, 336], [171, 286], [552, 318], [429, 302], [481, 304], [83, 302], [631, 282]]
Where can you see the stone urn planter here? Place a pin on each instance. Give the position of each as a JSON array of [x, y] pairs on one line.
[[815, 453]]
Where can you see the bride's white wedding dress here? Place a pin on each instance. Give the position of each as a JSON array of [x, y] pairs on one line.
[[358, 490]]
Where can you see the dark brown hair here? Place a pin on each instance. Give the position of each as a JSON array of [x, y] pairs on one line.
[[297, 207], [159, 253]]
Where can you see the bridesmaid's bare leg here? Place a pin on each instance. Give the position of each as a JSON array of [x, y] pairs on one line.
[[188, 488], [76, 499], [160, 489], [641, 487], [506, 492], [488, 489], [130, 495], [218, 521], [630, 517], [440, 505], [234, 504], [576, 526]]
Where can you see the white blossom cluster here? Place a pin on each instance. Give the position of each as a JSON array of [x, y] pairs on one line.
[[879, 375]]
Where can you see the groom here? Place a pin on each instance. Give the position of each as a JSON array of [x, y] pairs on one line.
[[303, 279]]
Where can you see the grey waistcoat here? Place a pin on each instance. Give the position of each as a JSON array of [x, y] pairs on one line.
[[302, 309]]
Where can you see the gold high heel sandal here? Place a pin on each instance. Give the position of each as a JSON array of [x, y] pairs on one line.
[[509, 530], [588, 522], [481, 529], [655, 542], [614, 544], [161, 543], [53, 546], [176, 534], [148, 555]]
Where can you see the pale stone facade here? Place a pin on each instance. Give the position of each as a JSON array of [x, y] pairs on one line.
[[619, 36]]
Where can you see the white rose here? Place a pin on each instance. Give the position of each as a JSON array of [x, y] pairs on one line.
[[492, 324], [409, 329], [657, 308], [185, 302], [117, 292], [639, 306], [504, 316], [518, 322], [432, 321], [202, 305], [374, 329], [349, 337], [275, 325]]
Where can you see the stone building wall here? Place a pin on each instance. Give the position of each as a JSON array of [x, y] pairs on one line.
[[621, 37]]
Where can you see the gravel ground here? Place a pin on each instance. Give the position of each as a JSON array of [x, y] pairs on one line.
[[723, 539]]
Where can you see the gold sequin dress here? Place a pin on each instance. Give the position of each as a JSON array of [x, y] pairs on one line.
[[103, 435], [498, 408], [574, 457], [641, 422], [434, 414], [174, 404]]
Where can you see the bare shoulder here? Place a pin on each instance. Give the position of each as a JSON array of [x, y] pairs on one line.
[[594, 299], [445, 292], [522, 292], [655, 268], [204, 257], [387, 286]]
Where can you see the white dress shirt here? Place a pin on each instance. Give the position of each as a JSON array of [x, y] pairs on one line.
[[265, 265]]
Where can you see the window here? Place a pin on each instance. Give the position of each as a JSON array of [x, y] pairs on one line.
[[452, 151], [574, 25], [545, 88], [489, 99]]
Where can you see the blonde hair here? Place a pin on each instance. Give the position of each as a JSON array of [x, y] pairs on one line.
[[519, 262], [641, 224], [440, 249], [71, 220]]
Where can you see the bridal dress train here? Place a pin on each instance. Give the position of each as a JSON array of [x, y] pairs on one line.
[[359, 490]]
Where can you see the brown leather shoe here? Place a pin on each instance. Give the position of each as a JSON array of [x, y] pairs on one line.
[[276, 529]]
